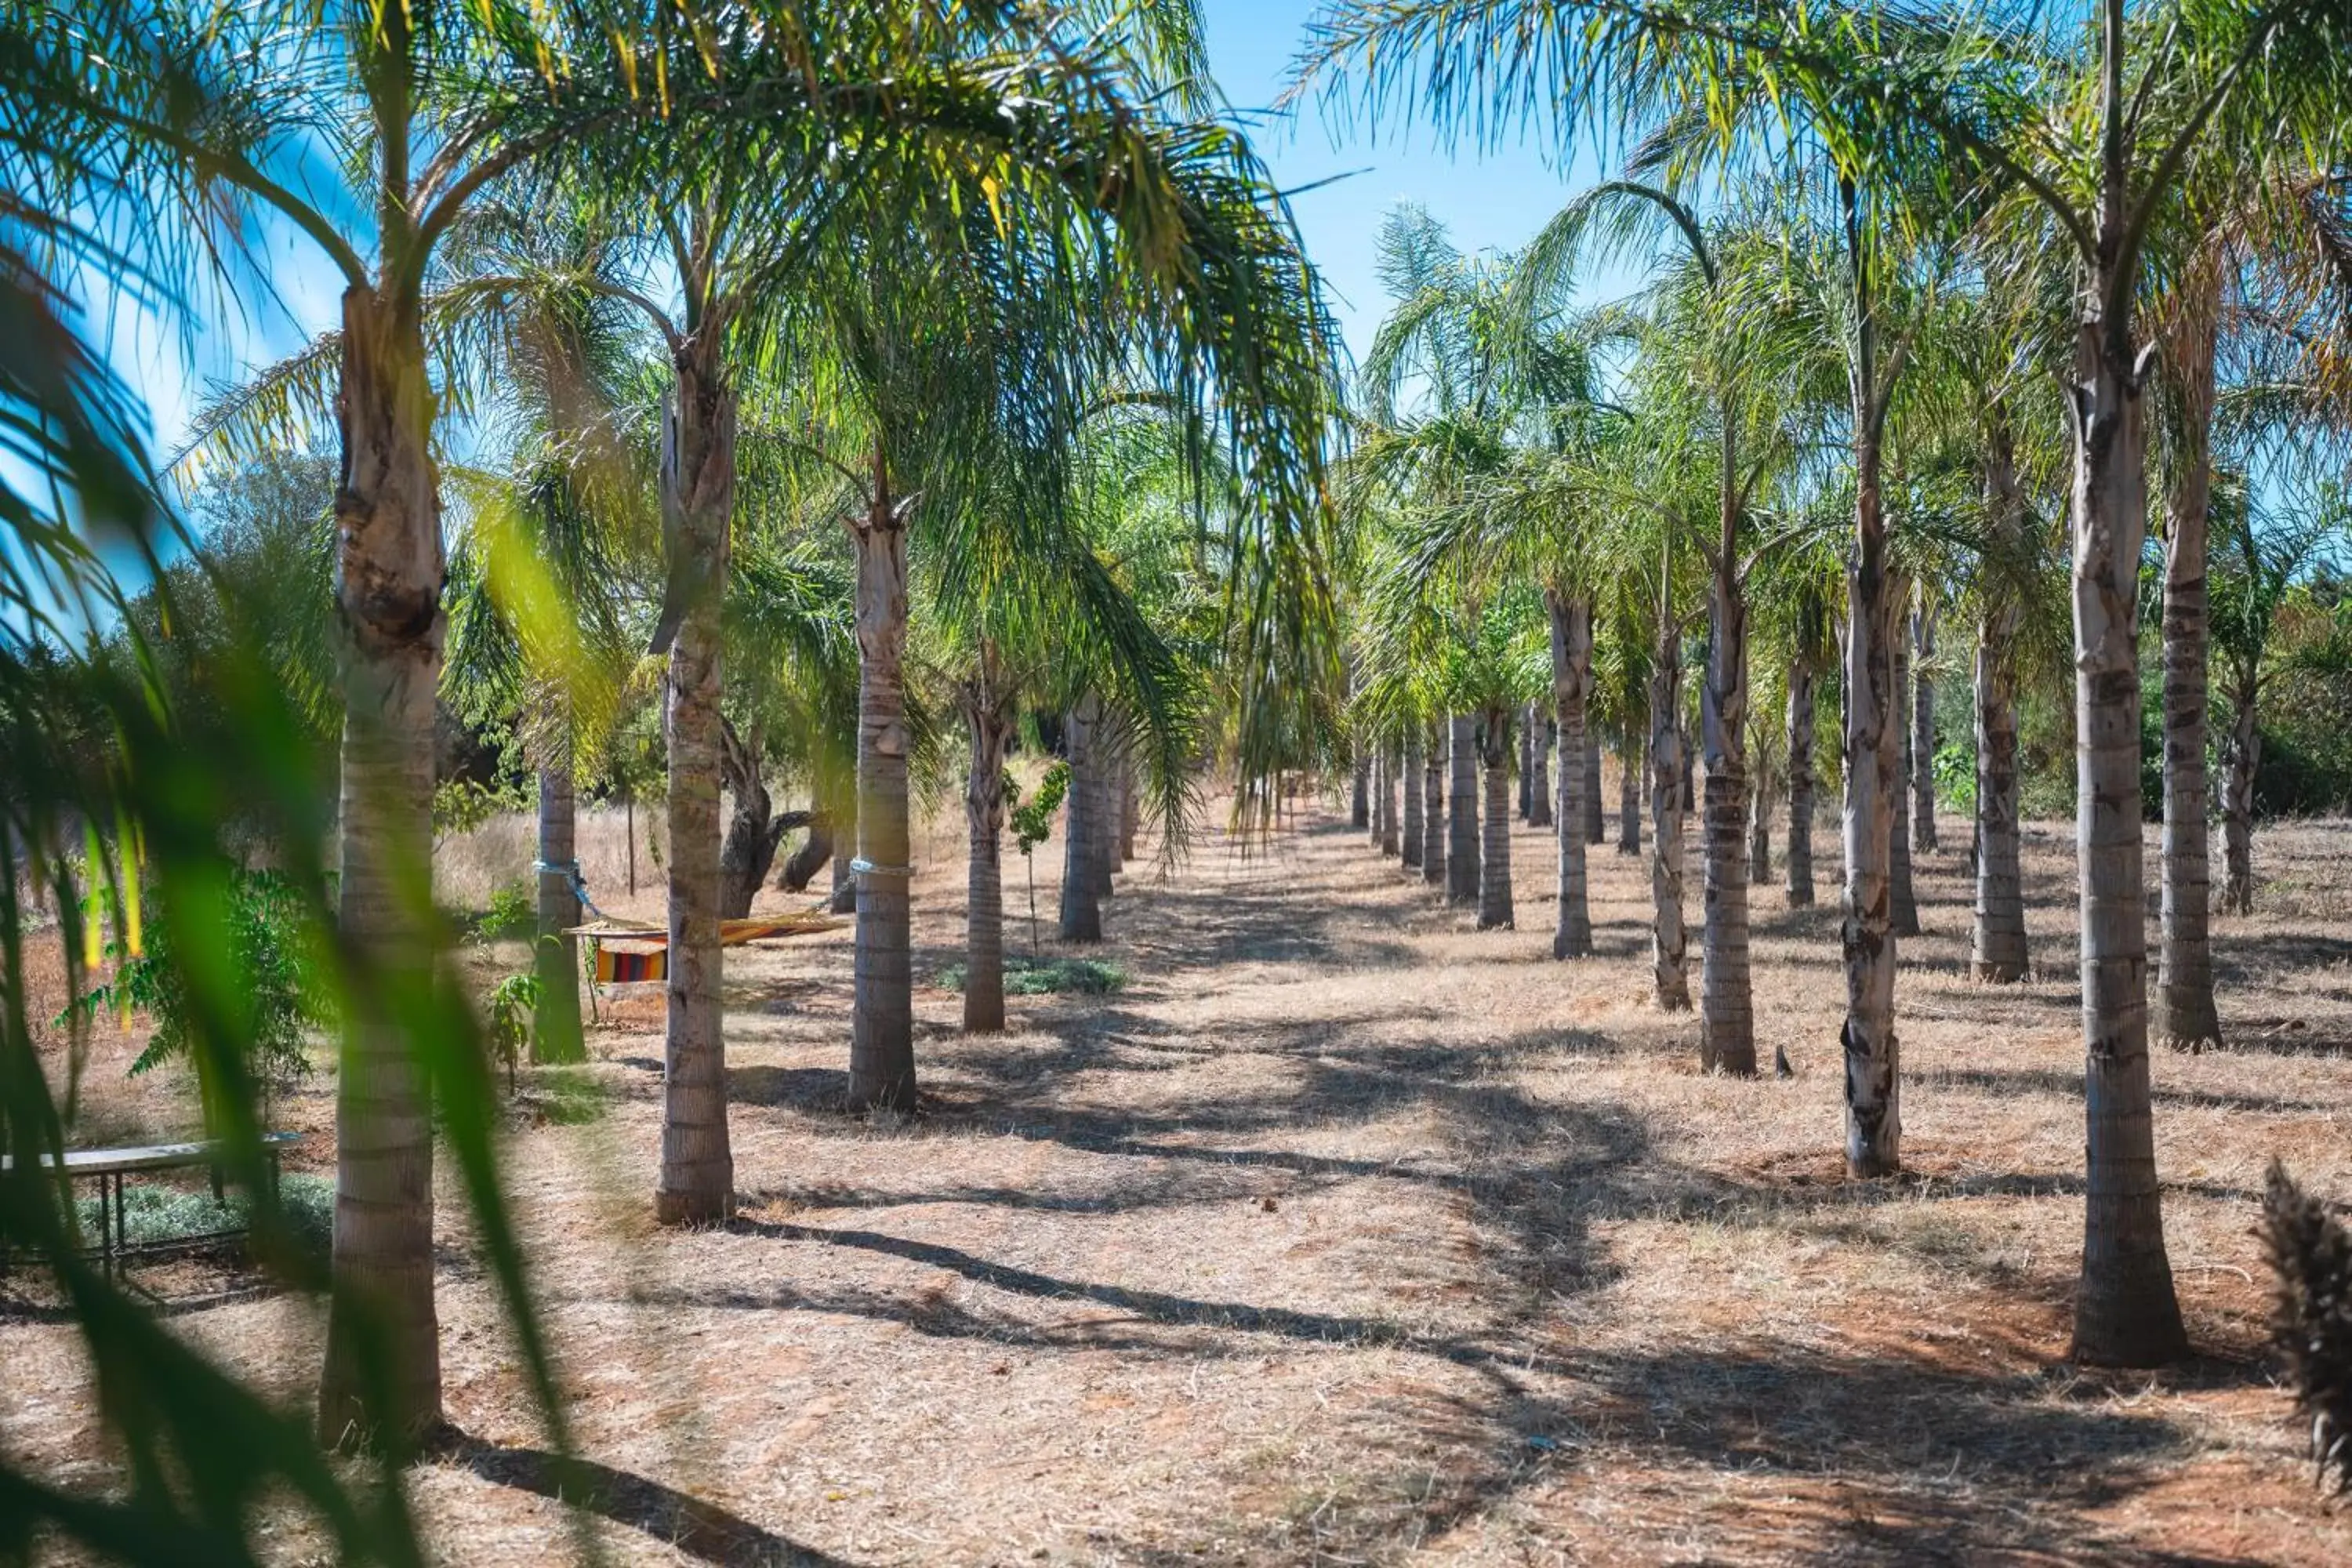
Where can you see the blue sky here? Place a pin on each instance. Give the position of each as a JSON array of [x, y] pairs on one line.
[[1493, 199]]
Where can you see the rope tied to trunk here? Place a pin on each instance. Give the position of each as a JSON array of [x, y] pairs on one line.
[[570, 871], [862, 866]]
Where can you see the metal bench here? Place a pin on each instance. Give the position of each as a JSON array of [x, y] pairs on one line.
[[109, 1166]]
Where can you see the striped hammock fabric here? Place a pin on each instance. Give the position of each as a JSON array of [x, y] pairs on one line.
[[627, 955]]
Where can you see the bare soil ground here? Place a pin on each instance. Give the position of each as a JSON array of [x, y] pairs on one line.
[[1346, 1234]]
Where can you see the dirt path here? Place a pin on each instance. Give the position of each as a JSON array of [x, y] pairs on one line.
[[1346, 1234]]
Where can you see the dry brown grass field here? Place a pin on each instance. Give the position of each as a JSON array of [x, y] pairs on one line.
[[1345, 1234]]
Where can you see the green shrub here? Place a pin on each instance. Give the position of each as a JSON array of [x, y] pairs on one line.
[[513, 911], [275, 950], [1037, 976], [152, 1211]]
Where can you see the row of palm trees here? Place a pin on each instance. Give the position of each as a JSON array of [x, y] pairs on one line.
[[857, 362], [1878, 243], [915, 258]]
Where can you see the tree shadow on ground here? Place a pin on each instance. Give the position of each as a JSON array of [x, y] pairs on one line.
[[701, 1530], [2011, 1082], [2245, 960], [1809, 1455], [796, 1088]]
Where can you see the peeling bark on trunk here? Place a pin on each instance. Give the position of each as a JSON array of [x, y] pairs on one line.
[[882, 1017], [697, 1164], [1495, 910], [1874, 801], [1413, 829], [1669, 941], [1905, 905], [1081, 902], [1997, 946], [1571, 689], [988, 716], [2237, 804], [2186, 1014], [1726, 1005], [2125, 1313], [1432, 827], [1798, 881], [1462, 809], [555, 1032], [1923, 728], [382, 1380]]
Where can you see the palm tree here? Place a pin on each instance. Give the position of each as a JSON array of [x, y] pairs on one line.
[[1972, 109], [1998, 944], [2261, 578], [192, 125], [92, 739]]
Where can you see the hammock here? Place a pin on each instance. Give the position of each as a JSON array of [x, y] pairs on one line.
[[625, 953]]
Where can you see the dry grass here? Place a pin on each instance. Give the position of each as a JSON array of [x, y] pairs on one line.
[[1346, 1234]]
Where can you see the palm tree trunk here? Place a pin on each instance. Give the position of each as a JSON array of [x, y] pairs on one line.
[[882, 1019], [1102, 811], [1571, 687], [1081, 900], [1998, 944], [1596, 825], [697, 1164], [2125, 1313], [1923, 728], [1462, 806], [1760, 830], [1527, 765], [1130, 808], [1391, 766], [1799, 878], [1494, 876], [555, 1033], [1432, 789], [988, 716], [1360, 813], [2186, 1014], [1874, 800], [1905, 907], [1727, 1033], [1413, 828], [2238, 802], [1669, 941], [1539, 796], [1999, 947], [842, 900], [1629, 795], [382, 1379]]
